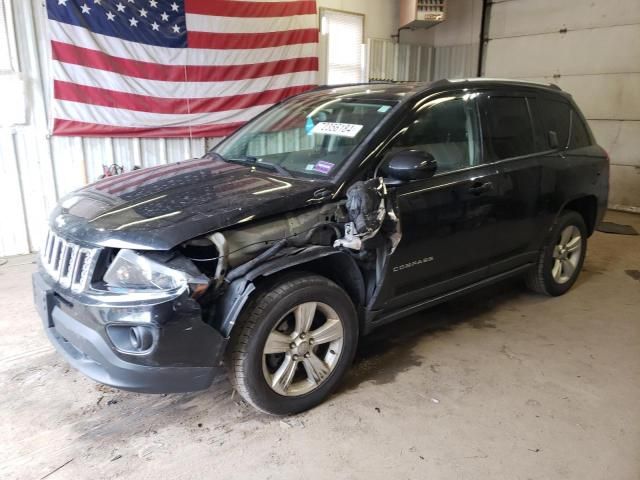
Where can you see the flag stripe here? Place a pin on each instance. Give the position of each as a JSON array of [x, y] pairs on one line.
[[234, 41], [124, 118], [86, 129], [81, 37], [207, 23], [92, 77], [235, 8], [142, 103], [171, 68], [94, 59]]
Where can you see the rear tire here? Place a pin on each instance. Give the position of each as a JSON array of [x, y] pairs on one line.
[[562, 256], [293, 344]]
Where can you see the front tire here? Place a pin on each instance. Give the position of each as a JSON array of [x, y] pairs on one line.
[[293, 344], [562, 256]]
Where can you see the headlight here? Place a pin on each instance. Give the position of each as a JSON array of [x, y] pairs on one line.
[[133, 271]]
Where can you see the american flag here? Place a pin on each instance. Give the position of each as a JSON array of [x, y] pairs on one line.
[[176, 68]]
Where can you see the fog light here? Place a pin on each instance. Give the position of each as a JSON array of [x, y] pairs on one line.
[[131, 339], [141, 338]]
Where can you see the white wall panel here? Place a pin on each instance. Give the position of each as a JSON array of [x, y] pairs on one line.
[[95, 152], [14, 236], [37, 179], [154, 152], [69, 163], [626, 194], [457, 61], [621, 140], [402, 62], [579, 52], [526, 17], [382, 58], [389, 60]]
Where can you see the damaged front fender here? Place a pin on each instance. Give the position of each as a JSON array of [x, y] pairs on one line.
[[335, 264]]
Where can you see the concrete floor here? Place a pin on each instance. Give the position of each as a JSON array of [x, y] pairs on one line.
[[503, 384]]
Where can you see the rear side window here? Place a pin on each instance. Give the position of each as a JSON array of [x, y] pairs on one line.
[[554, 119], [579, 133], [508, 131]]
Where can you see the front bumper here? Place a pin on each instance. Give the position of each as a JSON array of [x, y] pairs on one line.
[[185, 354]]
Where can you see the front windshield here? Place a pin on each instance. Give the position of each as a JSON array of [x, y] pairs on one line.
[[307, 136]]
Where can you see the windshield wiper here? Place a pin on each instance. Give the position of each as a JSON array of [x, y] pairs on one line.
[[253, 161]]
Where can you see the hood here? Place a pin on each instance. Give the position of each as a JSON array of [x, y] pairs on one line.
[[157, 208]]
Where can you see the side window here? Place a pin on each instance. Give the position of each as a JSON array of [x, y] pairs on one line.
[[445, 128], [554, 118], [508, 131], [579, 134]]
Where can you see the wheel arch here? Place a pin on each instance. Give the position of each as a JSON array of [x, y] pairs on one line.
[[333, 264], [587, 207]]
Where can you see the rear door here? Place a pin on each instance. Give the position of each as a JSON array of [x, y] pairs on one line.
[[573, 167], [447, 221]]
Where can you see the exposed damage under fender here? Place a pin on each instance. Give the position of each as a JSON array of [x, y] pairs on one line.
[[353, 238]]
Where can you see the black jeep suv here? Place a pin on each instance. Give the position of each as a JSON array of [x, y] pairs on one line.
[[329, 214]]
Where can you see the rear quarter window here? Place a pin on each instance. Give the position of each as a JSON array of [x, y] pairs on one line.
[[508, 131], [579, 133], [554, 120]]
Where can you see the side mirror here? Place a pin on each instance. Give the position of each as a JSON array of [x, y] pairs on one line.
[[410, 165], [553, 139]]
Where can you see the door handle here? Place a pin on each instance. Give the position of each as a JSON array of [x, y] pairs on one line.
[[478, 188]]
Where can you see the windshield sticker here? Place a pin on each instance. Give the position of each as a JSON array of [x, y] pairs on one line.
[[384, 108], [323, 167], [348, 130], [308, 126], [310, 166]]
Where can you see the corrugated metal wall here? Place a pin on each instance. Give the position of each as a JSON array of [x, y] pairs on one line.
[[389, 60], [591, 50], [457, 61], [36, 169]]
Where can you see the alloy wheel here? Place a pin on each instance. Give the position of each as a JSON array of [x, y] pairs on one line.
[[302, 349], [566, 254]]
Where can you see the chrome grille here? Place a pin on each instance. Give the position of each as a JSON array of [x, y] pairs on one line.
[[67, 263]]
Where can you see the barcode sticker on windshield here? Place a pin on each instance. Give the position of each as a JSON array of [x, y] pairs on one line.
[[349, 130]]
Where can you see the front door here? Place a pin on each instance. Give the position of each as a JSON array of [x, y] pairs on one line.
[[447, 222]]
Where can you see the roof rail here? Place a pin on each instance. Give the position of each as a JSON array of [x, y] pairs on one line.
[[445, 81], [355, 84]]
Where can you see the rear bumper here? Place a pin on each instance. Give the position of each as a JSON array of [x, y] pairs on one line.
[[185, 354]]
